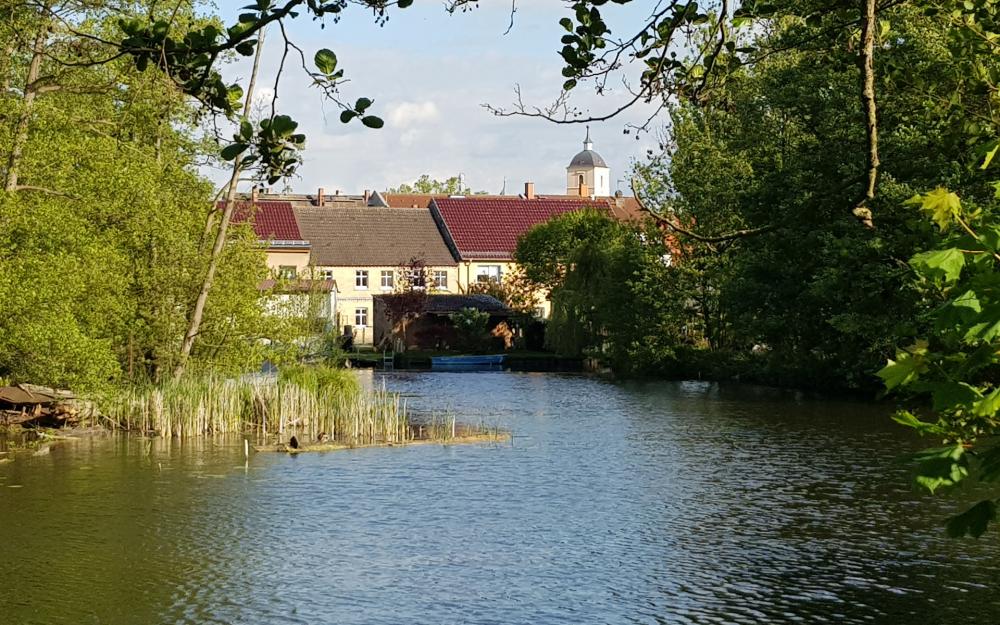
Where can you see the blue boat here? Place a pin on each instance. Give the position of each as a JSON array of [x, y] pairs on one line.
[[467, 363]]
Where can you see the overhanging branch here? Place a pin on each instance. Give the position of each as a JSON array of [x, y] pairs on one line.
[[679, 229]]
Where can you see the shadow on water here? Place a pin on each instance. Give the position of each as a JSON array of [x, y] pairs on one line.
[[633, 503]]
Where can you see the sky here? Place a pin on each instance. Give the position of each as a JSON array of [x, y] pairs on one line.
[[429, 73]]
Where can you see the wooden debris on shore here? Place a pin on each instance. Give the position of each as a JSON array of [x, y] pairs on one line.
[[40, 406]]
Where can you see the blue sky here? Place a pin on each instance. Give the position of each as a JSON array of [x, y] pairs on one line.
[[429, 73]]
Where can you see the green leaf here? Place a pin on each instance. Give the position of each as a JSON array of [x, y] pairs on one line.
[[326, 61], [246, 130], [968, 300], [283, 125], [988, 406], [346, 116], [362, 104], [942, 205], [985, 327], [945, 264], [953, 395], [989, 155], [569, 84], [907, 418], [973, 521], [372, 122], [246, 48], [233, 150], [902, 371], [940, 466]]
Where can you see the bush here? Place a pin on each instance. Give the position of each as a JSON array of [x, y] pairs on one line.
[[470, 324]]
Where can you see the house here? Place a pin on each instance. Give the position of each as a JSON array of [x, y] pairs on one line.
[[433, 327], [482, 233], [355, 246], [291, 289], [365, 251]]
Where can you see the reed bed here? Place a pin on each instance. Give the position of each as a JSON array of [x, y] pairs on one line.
[[301, 403], [266, 407]]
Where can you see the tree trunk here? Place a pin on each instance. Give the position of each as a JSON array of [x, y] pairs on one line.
[[194, 323], [866, 61], [28, 106]]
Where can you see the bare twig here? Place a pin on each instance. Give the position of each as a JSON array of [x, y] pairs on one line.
[[26, 187], [679, 229]]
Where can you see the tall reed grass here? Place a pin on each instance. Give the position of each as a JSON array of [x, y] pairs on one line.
[[303, 402]]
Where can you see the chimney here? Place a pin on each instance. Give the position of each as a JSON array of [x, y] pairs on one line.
[[320, 198], [529, 190], [584, 191], [254, 194], [368, 196]]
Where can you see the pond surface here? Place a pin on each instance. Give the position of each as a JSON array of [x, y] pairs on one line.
[[653, 503]]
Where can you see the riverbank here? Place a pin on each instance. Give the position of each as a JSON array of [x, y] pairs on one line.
[[519, 360], [313, 404]]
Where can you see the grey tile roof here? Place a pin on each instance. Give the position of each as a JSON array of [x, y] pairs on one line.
[[440, 304], [372, 236], [454, 303]]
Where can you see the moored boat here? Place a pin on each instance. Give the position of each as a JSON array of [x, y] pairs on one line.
[[494, 361]]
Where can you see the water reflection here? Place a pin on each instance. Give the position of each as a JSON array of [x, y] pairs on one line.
[[641, 503]]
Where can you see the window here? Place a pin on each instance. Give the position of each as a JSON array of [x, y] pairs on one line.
[[387, 279], [440, 279], [488, 273], [581, 178], [361, 279], [418, 280], [286, 272], [361, 317], [326, 274]]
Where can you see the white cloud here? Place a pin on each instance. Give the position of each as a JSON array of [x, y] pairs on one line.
[[407, 114], [263, 94], [429, 90]]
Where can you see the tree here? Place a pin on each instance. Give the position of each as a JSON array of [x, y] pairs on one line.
[[610, 286], [100, 268], [775, 152], [425, 184], [513, 289], [409, 298], [470, 326]]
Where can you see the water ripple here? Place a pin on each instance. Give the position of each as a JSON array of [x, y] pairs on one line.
[[619, 504]]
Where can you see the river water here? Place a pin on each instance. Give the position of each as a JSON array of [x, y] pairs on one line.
[[636, 503]]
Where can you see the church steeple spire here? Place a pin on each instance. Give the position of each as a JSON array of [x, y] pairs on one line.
[[588, 174]]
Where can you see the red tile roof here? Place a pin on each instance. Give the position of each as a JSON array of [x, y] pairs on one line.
[[272, 221], [624, 208], [488, 228]]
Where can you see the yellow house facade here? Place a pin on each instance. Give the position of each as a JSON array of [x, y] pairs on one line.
[[367, 251]]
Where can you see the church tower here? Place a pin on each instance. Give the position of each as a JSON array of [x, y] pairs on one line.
[[588, 174]]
